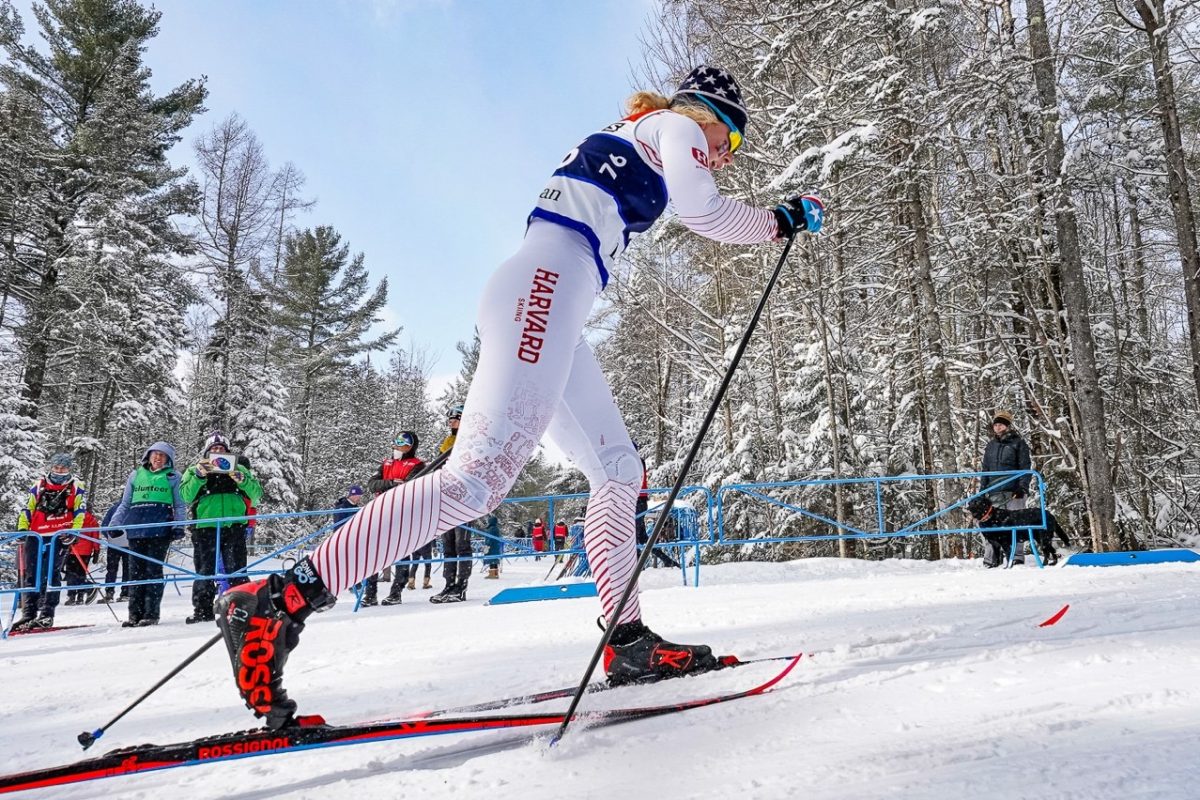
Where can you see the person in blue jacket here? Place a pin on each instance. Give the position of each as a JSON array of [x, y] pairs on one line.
[[151, 496]]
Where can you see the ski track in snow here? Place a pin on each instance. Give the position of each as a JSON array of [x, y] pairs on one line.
[[925, 680]]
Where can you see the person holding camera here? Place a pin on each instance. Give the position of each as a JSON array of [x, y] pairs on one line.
[[152, 495], [56, 506], [215, 488]]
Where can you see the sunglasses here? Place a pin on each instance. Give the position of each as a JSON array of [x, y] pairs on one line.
[[735, 136]]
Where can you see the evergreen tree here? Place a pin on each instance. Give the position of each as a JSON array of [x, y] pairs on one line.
[[455, 392], [22, 447], [105, 153], [323, 319], [264, 435]]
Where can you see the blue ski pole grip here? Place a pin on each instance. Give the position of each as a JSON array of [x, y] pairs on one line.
[[88, 739]]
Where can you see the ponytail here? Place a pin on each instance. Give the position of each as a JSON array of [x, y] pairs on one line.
[[642, 102]]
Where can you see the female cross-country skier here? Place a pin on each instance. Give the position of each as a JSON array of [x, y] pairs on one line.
[[537, 375]]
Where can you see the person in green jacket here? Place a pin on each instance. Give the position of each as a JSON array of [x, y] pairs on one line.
[[212, 496]]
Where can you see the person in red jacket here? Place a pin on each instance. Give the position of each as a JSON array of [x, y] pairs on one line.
[[394, 471], [84, 550], [560, 539], [538, 534], [56, 506]]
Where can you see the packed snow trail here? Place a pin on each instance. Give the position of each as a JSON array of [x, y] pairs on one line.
[[927, 680]]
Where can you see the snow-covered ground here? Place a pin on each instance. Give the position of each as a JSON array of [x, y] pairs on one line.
[[926, 680]]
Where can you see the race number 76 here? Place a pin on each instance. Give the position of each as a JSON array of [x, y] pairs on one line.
[[609, 167]]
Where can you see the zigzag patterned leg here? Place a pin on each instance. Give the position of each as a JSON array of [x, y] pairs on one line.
[[393, 524], [609, 536]]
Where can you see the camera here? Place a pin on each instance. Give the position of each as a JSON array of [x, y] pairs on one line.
[[221, 463]]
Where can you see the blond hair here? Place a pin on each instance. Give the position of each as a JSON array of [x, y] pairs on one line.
[[653, 101]]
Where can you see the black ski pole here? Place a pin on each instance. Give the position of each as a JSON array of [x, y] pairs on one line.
[[95, 588], [431, 466], [648, 549], [88, 739]]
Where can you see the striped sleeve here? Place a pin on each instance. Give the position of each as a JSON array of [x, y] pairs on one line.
[[694, 193]]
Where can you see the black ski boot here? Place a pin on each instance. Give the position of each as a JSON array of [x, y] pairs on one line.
[[453, 593], [24, 623], [261, 622], [637, 654]]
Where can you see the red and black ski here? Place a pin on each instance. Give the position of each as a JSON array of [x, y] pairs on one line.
[[726, 662], [53, 629], [247, 744]]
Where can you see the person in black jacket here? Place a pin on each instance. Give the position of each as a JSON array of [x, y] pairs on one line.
[[1006, 451]]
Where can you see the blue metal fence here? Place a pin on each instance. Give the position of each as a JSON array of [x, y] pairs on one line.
[[701, 519]]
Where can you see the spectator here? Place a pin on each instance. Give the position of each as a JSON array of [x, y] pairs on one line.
[[560, 539], [152, 494], [394, 471], [456, 542], [115, 559], [538, 536], [347, 506], [1006, 451], [213, 495], [84, 550], [495, 545], [57, 502]]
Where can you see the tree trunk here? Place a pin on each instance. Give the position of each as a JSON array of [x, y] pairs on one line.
[[1154, 18], [1093, 432]]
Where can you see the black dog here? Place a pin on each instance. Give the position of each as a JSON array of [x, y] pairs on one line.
[[998, 517]]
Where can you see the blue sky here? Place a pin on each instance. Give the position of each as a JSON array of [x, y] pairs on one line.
[[425, 129]]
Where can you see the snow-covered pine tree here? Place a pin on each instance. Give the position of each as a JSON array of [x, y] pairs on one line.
[[323, 318], [22, 446], [264, 435], [106, 151]]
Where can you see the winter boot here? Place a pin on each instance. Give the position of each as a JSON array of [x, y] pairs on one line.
[[200, 616], [132, 622], [123, 597], [370, 597], [637, 654], [24, 623], [453, 593], [428, 583], [261, 622], [148, 622], [70, 601], [394, 598], [493, 573], [108, 595], [412, 582]]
